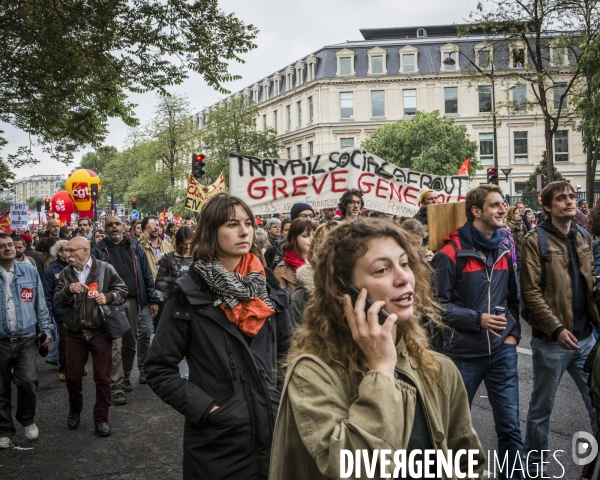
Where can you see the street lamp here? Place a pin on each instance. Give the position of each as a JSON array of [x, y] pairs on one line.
[[507, 90], [450, 61]]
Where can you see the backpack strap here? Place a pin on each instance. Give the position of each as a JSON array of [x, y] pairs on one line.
[[101, 279], [543, 243], [583, 232]]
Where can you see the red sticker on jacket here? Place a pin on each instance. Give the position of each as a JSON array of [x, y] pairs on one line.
[[92, 290], [27, 295]]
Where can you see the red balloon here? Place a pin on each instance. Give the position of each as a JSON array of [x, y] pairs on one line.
[[62, 204], [87, 214]]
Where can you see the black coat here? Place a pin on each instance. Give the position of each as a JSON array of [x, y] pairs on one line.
[[146, 291], [227, 369]]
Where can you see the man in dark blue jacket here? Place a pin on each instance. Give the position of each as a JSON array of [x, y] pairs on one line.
[[475, 275], [130, 262]]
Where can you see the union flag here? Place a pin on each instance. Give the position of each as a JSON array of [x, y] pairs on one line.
[[5, 223]]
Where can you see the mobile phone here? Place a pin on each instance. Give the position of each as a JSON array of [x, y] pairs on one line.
[[354, 292]]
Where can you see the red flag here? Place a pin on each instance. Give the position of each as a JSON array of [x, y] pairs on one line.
[[464, 168], [5, 224], [163, 217]]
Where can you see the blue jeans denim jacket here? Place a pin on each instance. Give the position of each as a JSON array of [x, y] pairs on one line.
[[26, 283]]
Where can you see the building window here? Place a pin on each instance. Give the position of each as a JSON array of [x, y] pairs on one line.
[[275, 121], [377, 64], [485, 98], [299, 106], [310, 149], [559, 57], [559, 91], [421, 33], [520, 187], [345, 62], [561, 146], [265, 123], [289, 153], [484, 58], [346, 143], [346, 66], [299, 75], [518, 57], [265, 93], [451, 99], [289, 117], [255, 95], [277, 82], [299, 147], [408, 62], [520, 97], [378, 103], [449, 66], [520, 143], [410, 101], [311, 110], [346, 105], [486, 148], [289, 80]]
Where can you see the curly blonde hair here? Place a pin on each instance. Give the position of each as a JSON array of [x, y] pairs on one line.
[[325, 332]]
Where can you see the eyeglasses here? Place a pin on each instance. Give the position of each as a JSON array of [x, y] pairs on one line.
[[116, 224], [306, 215], [354, 202], [72, 250]]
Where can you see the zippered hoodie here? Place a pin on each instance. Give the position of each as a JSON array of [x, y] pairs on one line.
[[466, 296]]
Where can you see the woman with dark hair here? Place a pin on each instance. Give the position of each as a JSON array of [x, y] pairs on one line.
[[295, 252], [97, 235], [170, 232], [355, 384], [135, 231], [232, 326]]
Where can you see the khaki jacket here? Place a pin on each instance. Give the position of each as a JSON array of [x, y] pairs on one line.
[[552, 308], [286, 276], [165, 247], [319, 415]]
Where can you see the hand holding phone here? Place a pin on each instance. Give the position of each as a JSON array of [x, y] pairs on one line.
[[354, 292]]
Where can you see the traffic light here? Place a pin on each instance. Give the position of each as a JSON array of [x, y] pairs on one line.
[[198, 165], [492, 176], [134, 203], [47, 204], [95, 192]]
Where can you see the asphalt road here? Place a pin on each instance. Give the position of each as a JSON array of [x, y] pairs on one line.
[[147, 434]]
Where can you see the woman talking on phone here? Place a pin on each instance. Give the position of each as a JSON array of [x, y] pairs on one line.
[[232, 327], [356, 384]]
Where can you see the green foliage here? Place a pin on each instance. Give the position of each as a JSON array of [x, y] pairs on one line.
[[66, 67], [427, 143], [32, 202], [231, 128], [540, 169]]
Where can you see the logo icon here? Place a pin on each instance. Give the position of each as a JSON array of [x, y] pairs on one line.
[[26, 294], [81, 191], [585, 448]]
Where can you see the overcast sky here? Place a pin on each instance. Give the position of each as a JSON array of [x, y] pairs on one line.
[[289, 30]]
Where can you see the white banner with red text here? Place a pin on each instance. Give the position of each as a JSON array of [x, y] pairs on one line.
[[274, 185]]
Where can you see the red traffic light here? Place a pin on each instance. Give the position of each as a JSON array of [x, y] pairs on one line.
[[133, 200], [491, 171], [198, 157]]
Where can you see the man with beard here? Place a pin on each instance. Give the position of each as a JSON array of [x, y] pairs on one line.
[[351, 203], [129, 260]]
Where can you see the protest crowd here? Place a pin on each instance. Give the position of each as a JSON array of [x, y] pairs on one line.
[[286, 338]]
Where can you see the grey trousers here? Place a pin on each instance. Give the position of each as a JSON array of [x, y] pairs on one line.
[[124, 349]]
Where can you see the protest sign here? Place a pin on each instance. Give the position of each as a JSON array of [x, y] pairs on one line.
[[442, 220], [274, 185], [19, 214], [198, 194]]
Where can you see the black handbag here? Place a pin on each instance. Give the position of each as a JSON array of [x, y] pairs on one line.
[[114, 319]]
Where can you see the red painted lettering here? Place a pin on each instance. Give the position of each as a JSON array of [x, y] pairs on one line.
[[320, 187], [335, 180], [382, 186], [297, 184], [280, 189], [363, 185], [408, 196], [257, 192]]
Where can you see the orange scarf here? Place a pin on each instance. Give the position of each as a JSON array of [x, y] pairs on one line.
[[249, 316]]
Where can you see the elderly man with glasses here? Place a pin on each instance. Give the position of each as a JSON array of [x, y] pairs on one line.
[[131, 263], [80, 294]]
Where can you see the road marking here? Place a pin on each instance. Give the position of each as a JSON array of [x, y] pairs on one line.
[[526, 351]]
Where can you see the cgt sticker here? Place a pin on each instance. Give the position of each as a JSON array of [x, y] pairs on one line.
[[27, 294], [92, 290]]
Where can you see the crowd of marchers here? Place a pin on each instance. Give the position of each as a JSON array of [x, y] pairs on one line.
[[285, 340]]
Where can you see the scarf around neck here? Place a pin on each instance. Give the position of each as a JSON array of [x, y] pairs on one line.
[[515, 226], [244, 295], [294, 260]]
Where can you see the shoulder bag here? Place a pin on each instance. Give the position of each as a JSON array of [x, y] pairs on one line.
[[114, 319]]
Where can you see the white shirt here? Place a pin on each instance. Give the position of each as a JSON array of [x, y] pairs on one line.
[[82, 276], [11, 310]]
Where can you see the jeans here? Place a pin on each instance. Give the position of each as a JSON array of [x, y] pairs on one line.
[[501, 377], [53, 357], [18, 354], [78, 351], [550, 362], [144, 335]]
